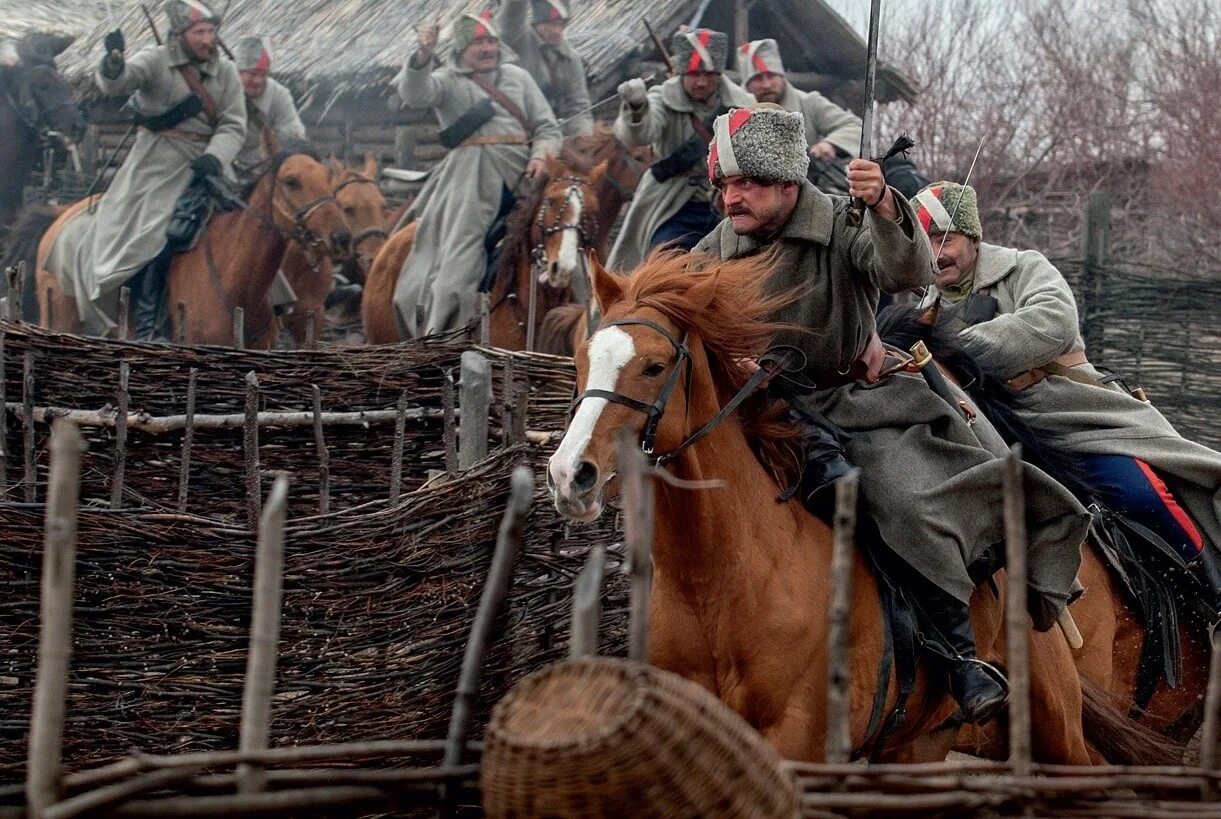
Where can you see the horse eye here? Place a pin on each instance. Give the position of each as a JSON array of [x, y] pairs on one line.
[[654, 370], [293, 183], [348, 210]]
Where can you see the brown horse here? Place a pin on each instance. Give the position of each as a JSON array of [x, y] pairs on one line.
[[547, 233], [235, 260], [624, 169], [312, 276], [739, 588]]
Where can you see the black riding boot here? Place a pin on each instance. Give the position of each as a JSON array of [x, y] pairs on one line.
[[825, 464], [978, 687], [149, 317]]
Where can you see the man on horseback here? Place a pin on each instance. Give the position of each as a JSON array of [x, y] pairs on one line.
[[189, 105], [500, 129], [674, 200], [1015, 314], [930, 478], [269, 105], [543, 50]]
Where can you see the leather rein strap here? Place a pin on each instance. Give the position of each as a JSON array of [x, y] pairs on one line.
[[655, 410]]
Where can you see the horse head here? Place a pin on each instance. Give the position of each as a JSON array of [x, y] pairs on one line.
[[302, 204], [365, 209], [659, 367], [566, 220], [44, 103]]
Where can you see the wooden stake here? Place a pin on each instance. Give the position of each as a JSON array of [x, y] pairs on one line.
[[449, 429], [3, 412], [1017, 621], [49, 318], [507, 391], [396, 453], [1210, 747], [485, 319], [509, 542], [251, 445], [182, 323], [324, 457], [239, 328], [311, 330], [27, 420], [43, 761], [531, 311], [587, 605], [16, 286], [120, 438], [637, 491], [838, 747], [188, 438], [124, 313], [264, 635], [475, 402]]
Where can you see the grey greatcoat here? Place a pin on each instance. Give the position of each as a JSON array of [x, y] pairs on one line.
[[273, 109], [559, 72], [1036, 324], [664, 122], [825, 121], [931, 480], [460, 201], [97, 252]]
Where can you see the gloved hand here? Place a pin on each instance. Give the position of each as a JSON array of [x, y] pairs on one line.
[[203, 166], [115, 42], [633, 92]]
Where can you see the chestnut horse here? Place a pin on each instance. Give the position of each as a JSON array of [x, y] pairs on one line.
[[624, 169], [547, 233], [312, 276], [739, 595], [235, 260]]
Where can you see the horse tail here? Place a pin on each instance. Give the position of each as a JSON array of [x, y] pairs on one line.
[[1120, 739], [556, 336], [24, 238]]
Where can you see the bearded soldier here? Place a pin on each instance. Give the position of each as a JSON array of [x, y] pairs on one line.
[[269, 105], [1014, 312], [930, 480], [499, 128], [831, 132], [674, 200], [534, 29], [192, 122]]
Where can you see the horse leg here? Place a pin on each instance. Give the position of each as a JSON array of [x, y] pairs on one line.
[[1055, 702], [377, 302]]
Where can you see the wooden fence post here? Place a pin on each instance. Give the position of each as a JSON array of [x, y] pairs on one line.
[[188, 438], [124, 313], [27, 412], [475, 402], [251, 446], [16, 284], [637, 483], [264, 636], [324, 457], [396, 453], [3, 412], [587, 605], [311, 330], [485, 319], [182, 322], [239, 328], [120, 438], [43, 771], [1210, 747], [1017, 621], [449, 424], [838, 745], [1095, 241]]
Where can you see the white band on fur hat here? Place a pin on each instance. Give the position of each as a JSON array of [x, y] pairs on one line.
[[763, 142], [698, 47], [724, 148], [941, 216]]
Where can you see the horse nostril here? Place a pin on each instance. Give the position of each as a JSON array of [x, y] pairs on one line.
[[341, 239], [586, 477]]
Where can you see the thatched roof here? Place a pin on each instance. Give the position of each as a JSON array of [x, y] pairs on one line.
[[71, 17], [334, 47]]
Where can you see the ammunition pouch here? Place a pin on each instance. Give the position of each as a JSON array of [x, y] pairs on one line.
[[189, 106], [688, 155], [470, 121]]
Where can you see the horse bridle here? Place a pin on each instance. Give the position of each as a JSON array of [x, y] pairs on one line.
[[367, 233], [585, 228], [655, 410]]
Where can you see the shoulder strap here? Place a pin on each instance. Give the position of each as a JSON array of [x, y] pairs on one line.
[[503, 100], [700, 127], [190, 73]]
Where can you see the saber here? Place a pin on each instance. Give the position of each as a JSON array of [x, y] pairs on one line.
[[871, 77], [600, 103], [665, 55]]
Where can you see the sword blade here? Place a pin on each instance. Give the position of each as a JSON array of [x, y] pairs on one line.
[[871, 76]]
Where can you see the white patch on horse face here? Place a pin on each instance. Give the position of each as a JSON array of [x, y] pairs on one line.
[[570, 255], [609, 350]]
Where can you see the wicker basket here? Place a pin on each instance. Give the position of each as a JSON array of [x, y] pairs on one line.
[[606, 737]]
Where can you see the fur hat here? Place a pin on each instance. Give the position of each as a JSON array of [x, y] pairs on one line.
[[185, 13], [763, 142], [947, 207], [253, 53], [548, 11], [470, 27], [759, 57], [700, 49]]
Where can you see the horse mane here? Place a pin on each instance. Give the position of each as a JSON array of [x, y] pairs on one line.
[[271, 165], [734, 324], [902, 326]]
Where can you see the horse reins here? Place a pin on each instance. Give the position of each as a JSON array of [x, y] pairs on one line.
[[656, 410], [367, 233]]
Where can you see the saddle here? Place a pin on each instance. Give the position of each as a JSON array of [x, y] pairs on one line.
[[194, 209]]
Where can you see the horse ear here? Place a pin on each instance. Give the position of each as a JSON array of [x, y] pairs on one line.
[[607, 287], [929, 317], [595, 176], [370, 169]]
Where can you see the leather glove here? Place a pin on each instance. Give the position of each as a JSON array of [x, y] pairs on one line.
[[633, 92], [115, 42], [203, 166]]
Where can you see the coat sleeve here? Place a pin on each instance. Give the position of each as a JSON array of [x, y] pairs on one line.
[[287, 122], [894, 255], [582, 123], [833, 124], [1042, 326], [138, 72], [419, 87], [642, 126], [546, 139], [229, 136], [513, 23]]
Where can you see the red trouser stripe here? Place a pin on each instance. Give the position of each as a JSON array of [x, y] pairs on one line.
[[1172, 505]]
